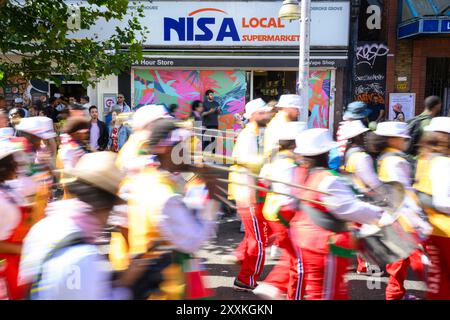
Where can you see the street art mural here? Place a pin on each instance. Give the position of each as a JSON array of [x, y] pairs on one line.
[[319, 98], [182, 87]]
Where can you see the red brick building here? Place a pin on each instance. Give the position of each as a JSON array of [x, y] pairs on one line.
[[419, 46]]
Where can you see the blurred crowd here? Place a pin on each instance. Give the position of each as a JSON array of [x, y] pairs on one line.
[[118, 209]]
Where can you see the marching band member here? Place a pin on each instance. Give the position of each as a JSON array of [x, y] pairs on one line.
[[132, 159], [433, 186], [359, 164], [39, 159], [73, 145], [128, 157], [319, 232], [60, 259], [278, 211], [357, 110], [14, 223], [157, 212], [289, 109], [248, 154], [393, 166]]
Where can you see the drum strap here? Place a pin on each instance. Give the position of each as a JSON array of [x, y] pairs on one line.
[[325, 220], [426, 200]]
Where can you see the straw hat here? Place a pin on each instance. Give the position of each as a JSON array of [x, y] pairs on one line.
[[350, 129], [393, 129], [313, 142], [289, 101], [41, 127], [441, 124], [98, 169], [255, 105]]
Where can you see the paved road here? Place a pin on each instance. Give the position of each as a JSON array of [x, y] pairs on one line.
[[222, 273]]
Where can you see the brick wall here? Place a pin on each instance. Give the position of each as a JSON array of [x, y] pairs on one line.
[[432, 47]]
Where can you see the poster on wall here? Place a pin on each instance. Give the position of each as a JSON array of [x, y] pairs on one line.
[[182, 87], [319, 99], [401, 106], [370, 74], [109, 101]]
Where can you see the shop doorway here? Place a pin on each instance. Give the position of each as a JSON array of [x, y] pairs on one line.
[[68, 90], [270, 85], [438, 81]]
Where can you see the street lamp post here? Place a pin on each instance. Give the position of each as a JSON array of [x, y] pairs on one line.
[[290, 11]]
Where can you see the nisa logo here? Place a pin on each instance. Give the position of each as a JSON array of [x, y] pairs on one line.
[[192, 29]]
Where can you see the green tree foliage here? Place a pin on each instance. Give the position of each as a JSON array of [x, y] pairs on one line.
[[37, 39]]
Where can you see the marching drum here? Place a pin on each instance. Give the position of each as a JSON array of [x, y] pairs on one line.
[[387, 244]]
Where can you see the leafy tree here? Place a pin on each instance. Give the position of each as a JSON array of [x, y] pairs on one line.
[[38, 39]]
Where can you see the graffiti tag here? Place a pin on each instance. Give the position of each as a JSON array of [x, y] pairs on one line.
[[370, 52]]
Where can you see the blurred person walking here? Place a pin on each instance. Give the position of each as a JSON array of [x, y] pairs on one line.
[[65, 240]]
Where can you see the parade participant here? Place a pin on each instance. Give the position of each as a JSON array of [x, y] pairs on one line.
[[73, 145], [73, 142], [359, 165], [142, 121], [289, 109], [15, 221], [357, 110], [65, 239], [432, 185], [278, 211], [39, 160], [157, 212], [319, 231], [393, 166], [248, 154]]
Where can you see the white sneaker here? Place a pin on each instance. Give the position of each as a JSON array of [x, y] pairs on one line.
[[275, 252], [268, 292]]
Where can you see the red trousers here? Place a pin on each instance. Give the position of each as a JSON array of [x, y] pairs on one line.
[[398, 271], [323, 275], [251, 251], [285, 274], [9, 288], [438, 276]]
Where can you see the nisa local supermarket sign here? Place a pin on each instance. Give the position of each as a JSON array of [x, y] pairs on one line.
[[232, 23], [236, 23], [200, 29]]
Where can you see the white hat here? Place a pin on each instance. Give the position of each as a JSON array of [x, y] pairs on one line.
[[289, 101], [441, 124], [350, 129], [313, 142], [6, 132], [393, 129], [41, 127], [254, 106], [147, 114], [18, 100], [7, 148], [291, 130]]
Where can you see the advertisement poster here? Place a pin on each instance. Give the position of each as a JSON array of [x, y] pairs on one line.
[[401, 106], [109, 101], [370, 75]]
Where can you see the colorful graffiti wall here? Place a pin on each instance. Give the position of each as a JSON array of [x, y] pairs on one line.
[[319, 98], [182, 87]]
